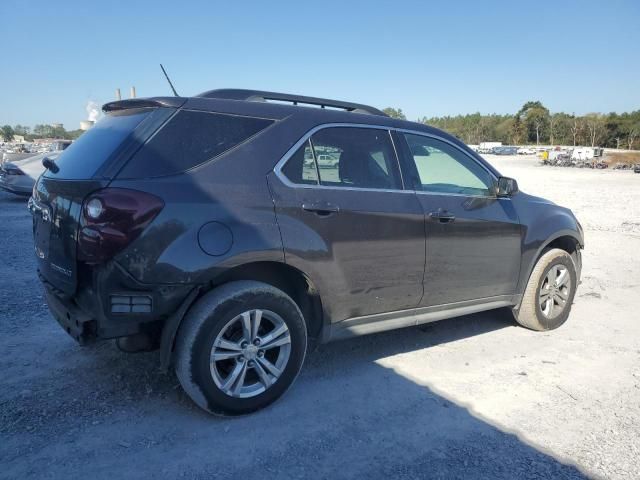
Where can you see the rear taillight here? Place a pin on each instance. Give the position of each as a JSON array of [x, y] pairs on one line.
[[111, 219], [12, 170]]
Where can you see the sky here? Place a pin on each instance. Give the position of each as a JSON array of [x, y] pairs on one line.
[[430, 58]]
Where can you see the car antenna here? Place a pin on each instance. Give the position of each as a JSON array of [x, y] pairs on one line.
[[169, 80]]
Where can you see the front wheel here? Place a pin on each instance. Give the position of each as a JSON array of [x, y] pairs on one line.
[[240, 347], [547, 300]]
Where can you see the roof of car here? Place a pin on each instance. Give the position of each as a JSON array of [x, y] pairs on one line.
[[295, 100], [275, 106]]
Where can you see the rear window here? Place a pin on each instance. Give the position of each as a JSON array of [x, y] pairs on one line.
[[190, 139], [83, 158]]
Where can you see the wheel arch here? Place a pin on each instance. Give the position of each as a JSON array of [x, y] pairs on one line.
[[566, 239], [287, 278], [284, 277]]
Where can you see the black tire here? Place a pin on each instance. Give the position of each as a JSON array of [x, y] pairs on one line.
[[529, 314], [205, 321]]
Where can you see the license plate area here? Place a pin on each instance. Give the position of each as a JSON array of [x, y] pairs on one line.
[[41, 229]]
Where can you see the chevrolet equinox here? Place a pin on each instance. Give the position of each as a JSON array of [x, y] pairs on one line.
[[237, 229]]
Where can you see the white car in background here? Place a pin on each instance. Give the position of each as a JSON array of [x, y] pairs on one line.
[[20, 176], [526, 151]]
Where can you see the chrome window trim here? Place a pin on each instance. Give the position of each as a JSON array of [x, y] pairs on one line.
[[395, 151], [307, 136]]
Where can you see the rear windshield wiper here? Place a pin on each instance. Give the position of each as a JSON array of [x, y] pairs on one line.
[[50, 165]]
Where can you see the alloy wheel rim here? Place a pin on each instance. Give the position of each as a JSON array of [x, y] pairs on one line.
[[554, 291], [250, 353]]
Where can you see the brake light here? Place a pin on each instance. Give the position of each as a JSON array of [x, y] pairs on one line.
[[12, 170], [111, 219]]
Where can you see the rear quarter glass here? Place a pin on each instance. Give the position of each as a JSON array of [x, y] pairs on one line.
[[189, 139], [82, 159]]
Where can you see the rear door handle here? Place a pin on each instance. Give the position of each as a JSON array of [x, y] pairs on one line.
[[442, 216], [321, 209]]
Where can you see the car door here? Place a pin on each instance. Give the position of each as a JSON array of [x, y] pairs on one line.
[[348, 224], [473, 237]]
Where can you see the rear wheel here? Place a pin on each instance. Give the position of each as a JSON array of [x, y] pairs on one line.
[[547, 300], [240, 347]]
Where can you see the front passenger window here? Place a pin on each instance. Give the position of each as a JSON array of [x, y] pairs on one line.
[[442, 168]]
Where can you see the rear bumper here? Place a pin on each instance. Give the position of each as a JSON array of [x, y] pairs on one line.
[[108, 306], [80, 326]]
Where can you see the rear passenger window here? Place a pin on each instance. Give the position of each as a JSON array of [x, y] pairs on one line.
[[356, 157], [190, 139], [301, 167]]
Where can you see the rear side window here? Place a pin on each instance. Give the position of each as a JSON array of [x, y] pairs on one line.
[[301, 167], [356, 157], [83, 158], [190, 139]]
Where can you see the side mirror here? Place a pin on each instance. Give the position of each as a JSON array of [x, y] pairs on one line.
[[506, 187], [419, 151]]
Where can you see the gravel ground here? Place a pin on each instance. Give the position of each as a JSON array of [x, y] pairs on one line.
[[473, 397]]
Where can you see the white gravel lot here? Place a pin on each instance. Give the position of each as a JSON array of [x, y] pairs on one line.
[[474, 397]]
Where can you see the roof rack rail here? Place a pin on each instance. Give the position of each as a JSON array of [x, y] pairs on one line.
[[261, 96]]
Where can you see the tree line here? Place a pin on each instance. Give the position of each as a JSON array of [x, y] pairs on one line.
[[532, 124], [535, 124], [39, 131]]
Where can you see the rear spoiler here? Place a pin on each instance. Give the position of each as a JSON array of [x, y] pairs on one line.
[[153, 102]]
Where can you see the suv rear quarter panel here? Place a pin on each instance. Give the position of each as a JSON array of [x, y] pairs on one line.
[[231, 190]]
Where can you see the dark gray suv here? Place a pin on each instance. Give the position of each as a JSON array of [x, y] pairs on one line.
[[237, 229]]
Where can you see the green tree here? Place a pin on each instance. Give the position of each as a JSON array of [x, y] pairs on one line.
[[7, 133], [58, 132], [632, 130], [21, 129], [517, 130], [42, 131], [559, 129], [535, 118], [395, 113], [576, 127], [503, 130], [74, 134], [595, 125]]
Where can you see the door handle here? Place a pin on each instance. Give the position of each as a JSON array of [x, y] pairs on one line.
[[442, 216], [321, 209]]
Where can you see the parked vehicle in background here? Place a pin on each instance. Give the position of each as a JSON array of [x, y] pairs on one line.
[[506, 150], [526, 151], [487, 147], [327, 160], [622, 166], [15, 152], [20, 176], [196, 226], [586, 153], [636, 168]]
